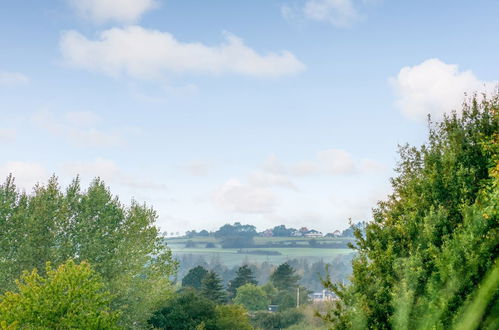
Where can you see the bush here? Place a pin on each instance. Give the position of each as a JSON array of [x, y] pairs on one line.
[[278, 320], [69, 297]]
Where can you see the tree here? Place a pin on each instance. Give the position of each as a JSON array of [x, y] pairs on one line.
[[185, 311], [194, 277], [212, 288], [71, 296], [282, 231], [236, 236], [279, 320], [434, 240], [284, 277], [252, 297], [120, 242], [244, 275], [204, 233], [230, 317]]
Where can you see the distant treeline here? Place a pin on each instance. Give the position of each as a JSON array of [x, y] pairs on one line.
[[277, 231]]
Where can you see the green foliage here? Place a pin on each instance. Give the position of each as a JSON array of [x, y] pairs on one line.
[[194, 277], [278, 320], [284, 277], [236, 236], [185, 311], [434, 240], [252, 297], [282, 231], [189, 310], [244, 275], [230, 317], [121, 243], [69, 297], [213, 289]]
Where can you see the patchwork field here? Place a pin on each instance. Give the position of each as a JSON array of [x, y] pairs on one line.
[[280, 250]]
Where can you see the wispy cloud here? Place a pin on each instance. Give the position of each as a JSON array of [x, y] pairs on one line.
[[150, 54], [109, 171], [120, 11], [79, 128], [238, 197], [13, 79], [7, 135], [339, 13]]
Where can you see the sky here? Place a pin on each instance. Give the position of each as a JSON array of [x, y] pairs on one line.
[[263, 112]]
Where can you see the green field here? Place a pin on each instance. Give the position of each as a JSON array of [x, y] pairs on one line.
[[233, 257]]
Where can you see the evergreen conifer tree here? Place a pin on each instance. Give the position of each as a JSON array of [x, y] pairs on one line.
[[244, 276], [212, 288]]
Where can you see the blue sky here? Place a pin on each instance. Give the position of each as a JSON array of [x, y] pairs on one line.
[[264, 112]]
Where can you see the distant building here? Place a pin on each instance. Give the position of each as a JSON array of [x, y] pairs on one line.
[[325, 295], [313, 233], [337, 233], [303, 230], [297, 234]]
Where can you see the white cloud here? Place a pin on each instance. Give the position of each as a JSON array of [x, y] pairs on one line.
[[7, 135], [149, 54], [110, 173], [121, 11], [75, 126], [341, 13], [235, 196], [434, 87], [13, 79], [26, 174]]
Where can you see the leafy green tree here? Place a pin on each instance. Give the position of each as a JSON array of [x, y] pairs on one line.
[[284, 277], [236, 236], [230, 317], [434, 239], [282, 231], [244, 275], [213, 289], [277, 320], [69, 297], [185, 311], [252, 297], [121, 243], [194, 277]]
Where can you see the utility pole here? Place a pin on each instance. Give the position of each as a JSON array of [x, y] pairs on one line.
[[297, 297]]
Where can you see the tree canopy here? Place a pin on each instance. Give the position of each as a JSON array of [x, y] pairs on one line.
[[244, 275], [252, 297], [435, 239], [284, 277], [194, 277], [213, 289], [120, 242], [71, 296]]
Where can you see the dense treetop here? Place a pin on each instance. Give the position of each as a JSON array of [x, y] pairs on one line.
[[434, 240]]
